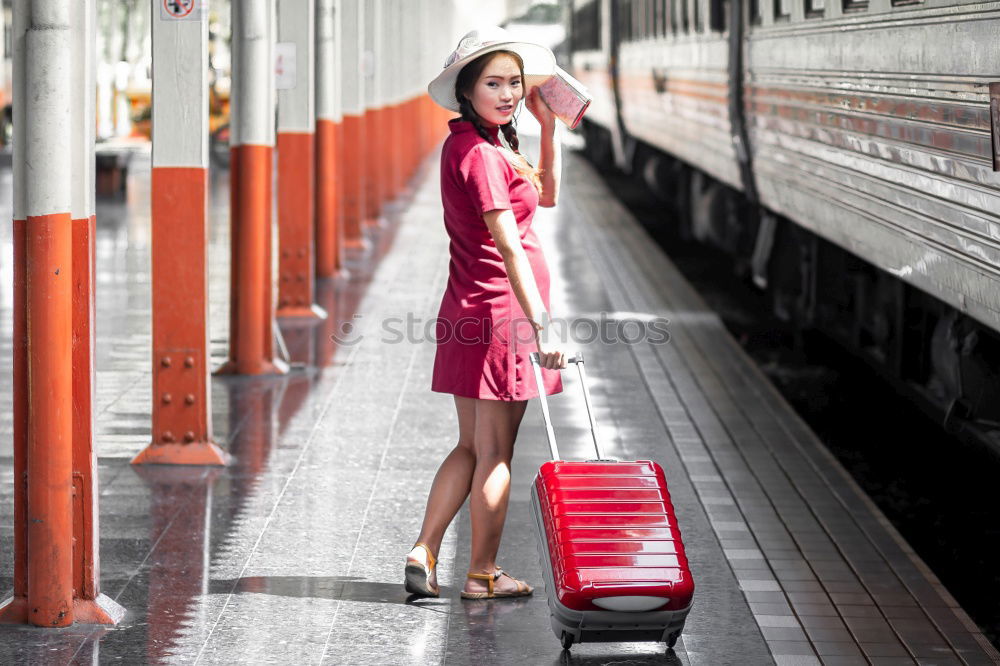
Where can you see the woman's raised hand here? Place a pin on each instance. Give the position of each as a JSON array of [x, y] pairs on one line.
[[539, 109]]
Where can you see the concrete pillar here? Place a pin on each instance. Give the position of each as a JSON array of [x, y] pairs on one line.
[[56, 568], [354, 157], [393, 39], [251, 327], [329, 134], [423, 118], [376, 143], [182, 410], [48, 117], [411, 84], [296, 159]]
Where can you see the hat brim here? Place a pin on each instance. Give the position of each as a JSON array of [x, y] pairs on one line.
[[538, 63]]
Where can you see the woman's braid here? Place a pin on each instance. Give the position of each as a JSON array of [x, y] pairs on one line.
[[510, 133]]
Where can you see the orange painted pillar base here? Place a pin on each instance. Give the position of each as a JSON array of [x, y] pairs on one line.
[[407, 110], [89, 605], [374, 166], [251, 314], [49, 477], [20, 415], [102, 610], [182, 433], [296, 231], [397, 141], [328, 228], [352, 168], [343, 273], [86, 605]]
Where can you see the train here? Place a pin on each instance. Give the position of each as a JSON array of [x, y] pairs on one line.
[[845, 153]]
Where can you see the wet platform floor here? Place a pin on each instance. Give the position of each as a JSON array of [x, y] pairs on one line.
[[293, 554]]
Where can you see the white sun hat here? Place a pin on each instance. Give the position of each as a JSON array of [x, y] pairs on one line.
[[538, 60]]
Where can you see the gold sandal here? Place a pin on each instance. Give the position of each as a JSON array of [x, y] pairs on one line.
[[523, 589], [417, 576]]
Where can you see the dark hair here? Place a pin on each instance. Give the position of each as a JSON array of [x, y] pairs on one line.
[[467, 78]]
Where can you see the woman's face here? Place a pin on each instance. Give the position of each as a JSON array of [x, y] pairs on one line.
[[499, 88]]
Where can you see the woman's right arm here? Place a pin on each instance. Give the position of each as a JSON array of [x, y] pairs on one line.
[[503, 227]]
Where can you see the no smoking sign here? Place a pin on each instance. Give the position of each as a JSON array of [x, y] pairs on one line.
[[182, 10]]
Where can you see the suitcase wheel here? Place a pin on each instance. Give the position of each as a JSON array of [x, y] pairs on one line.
[[567, 640]]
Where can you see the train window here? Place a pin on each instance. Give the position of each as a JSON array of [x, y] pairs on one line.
[[587, 27], [855, 6], [815, 8], [717, 15]]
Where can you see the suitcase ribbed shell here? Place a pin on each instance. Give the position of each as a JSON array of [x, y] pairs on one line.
[[611, 532]]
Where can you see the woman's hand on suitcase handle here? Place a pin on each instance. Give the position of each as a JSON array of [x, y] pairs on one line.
[[551, 360]]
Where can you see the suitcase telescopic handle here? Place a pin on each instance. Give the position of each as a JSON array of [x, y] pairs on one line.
[[576, 359]]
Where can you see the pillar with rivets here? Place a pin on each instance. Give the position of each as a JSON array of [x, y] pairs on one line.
[[56, 564], [328, 131], [182, 414], [251, 314], [295, 71]]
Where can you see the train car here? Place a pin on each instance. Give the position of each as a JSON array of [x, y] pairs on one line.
[[840, 149]]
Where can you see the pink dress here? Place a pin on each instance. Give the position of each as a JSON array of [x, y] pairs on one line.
[[483, 336]]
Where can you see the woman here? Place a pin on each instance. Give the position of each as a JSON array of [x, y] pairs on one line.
[[496, 302]]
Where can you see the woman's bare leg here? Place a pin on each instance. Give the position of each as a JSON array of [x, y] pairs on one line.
[[452, 481], [497, 423]]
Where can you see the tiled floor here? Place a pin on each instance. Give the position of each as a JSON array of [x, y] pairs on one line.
[[293, 554]]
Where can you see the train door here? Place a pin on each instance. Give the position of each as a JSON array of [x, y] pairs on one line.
[[738, 18], [623, 146]]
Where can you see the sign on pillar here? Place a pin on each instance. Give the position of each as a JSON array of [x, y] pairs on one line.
[[295, 77], [251, 314], [182, 425], [56, 564]]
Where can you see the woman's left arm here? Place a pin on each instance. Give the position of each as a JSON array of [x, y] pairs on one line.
[[550, 161]]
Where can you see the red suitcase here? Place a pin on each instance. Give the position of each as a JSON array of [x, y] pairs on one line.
[[609, 546]]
